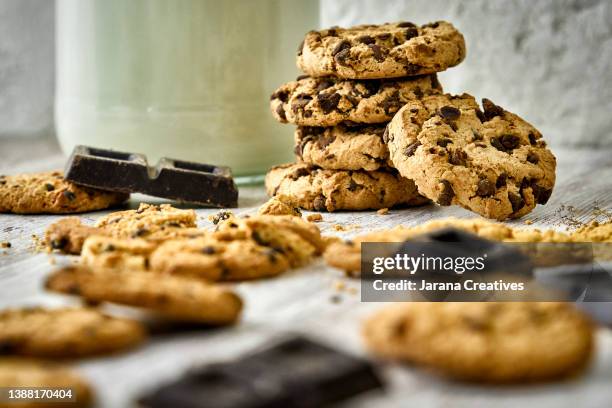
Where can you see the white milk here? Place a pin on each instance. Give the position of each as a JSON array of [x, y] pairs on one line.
[[187, 79]]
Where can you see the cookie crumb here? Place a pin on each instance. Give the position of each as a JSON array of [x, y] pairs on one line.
[[339, 227], [220, 216], [5, 244], [528, 222], [335, 299], [280, 205], [52, 260], [383, 211], [339, 285], [314, 218]]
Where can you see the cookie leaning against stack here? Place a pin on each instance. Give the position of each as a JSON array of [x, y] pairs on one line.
[[358, 78]]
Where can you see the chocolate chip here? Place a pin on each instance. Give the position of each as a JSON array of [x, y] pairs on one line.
[[418, 92], [540, 193], [324, 84], [341, 46], [325, 140], [485, 188], [506, 143], [446, 196], [69, 195], [443, 142], [377, 52], [303, 76], [7, 347], [491, 110], [516, 201], [300, 102], [384, 36], [329, 102], [412, 69], [457, 157], [352, 186], [385, 136], [501, 180], [392, 103], [221, 216], [406, 24], [300, 172], [372, 87], [319, 204], [411, 148], [332, 32], [366, 39], [435, 24], [480, 115], [280, 111], [411, 33], [450, 113], [59, 243], [272, 254], [342, 56], [477, 136], [532, 158], [300, 48], [208, 250], [49, 187], [283, 95], [532, 139]]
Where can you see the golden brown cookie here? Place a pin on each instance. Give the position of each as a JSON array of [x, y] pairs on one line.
[[316, 189], [331, 101], [49, 193], [174, 297], [22, 373], [484, 342], [493, 162], [381, 51], [342, 147], [68, 235], [66, 332], [279, 205]]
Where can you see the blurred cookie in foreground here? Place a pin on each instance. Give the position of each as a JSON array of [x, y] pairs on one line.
[[513, 342], [20, 373]]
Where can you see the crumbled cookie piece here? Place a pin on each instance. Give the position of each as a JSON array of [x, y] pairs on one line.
[[280, 205], [220, 216], [176, 298], [330, 190], [381, 51], [383, 211], [5, 244], [68, 235], [49, 193], [66, 332], [512, 342], [314, 218]]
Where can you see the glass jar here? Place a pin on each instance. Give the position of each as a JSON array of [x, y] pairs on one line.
[[186, 79]]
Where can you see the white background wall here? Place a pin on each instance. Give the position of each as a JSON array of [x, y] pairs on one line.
[[549, 61]]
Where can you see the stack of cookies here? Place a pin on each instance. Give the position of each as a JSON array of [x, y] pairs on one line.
[[356, 80], [375, 129]]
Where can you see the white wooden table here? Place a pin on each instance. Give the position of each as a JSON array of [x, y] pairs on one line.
[[305, 300]]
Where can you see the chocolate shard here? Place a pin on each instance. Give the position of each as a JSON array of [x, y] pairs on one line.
[[202, 184], [296, 372]]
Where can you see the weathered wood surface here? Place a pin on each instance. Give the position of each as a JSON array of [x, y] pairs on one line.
[[301, 301]]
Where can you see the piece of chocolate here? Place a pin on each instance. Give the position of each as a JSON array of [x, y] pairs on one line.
[[296, 372], [182, 181]]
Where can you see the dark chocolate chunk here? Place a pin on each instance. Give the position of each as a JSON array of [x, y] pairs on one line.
[[384, 36], [295, 372], [457, 157], [300, 102], [341, 46], [282, 95], [480, 115], [446, 196], [366, 39], [328, 102], [443, 142], [477, 136], [411, 149], [324, 84], [516, 201], [540, 193], [392, 103], [342, 56], [501, 180], [491, 110], [506, 143], [411, 33], [352, 185], [280, 111], [450, 112], [485, 188], [372, 87], [406, 24], [69, 194], [377, 52], [413, 69], [532, 158], [303, 76], [532, 139], [178, 180], [49, 187], [300, 48], [435, 24], [319, 204]]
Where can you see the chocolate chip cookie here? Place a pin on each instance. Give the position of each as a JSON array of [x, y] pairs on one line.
[[329, 101], [491, 162], [25, 373], [331, 190], [280, 205], [176, 298], [485, 342], [342, 148], [347, 255], [381, 51], [66, 332], [49, 193], [68, 235]]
